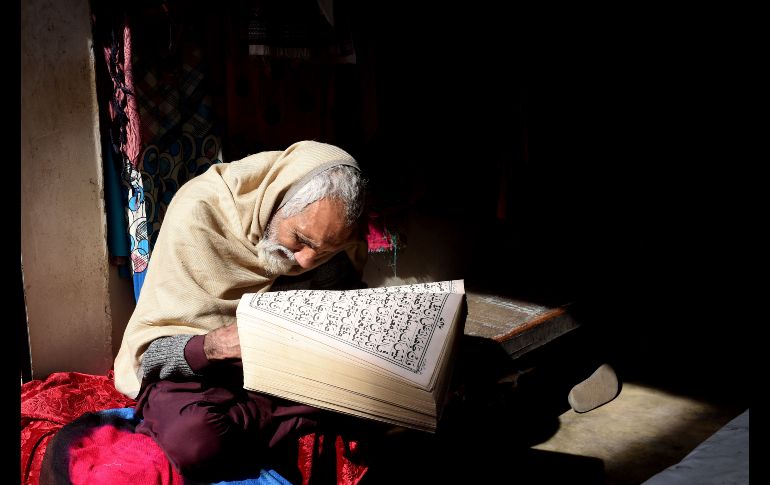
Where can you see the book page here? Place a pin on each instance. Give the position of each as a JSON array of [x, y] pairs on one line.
[[401, 329], [453, 286]]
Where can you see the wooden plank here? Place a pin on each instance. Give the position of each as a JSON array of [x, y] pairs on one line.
[[519, 326]]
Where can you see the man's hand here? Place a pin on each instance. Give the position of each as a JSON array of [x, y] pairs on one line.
[[222, 343]]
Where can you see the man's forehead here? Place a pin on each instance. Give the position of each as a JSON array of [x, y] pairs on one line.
[[323, 222]]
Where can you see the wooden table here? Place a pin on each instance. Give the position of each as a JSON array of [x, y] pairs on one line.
[[519, 326]]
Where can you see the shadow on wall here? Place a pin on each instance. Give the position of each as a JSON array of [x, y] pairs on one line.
[[432, 252], [489, 255]]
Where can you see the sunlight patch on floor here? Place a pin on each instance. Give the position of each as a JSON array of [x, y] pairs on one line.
[[639, 433]]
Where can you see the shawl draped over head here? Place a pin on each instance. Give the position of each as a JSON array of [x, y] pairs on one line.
[[205, 257]]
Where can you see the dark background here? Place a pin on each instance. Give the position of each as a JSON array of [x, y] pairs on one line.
[[621, 140], [593, 155]]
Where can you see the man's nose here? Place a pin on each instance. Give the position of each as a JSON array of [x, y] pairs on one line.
[[305, 257]]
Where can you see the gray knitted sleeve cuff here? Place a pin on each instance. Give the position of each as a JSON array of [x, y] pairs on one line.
[[164, 358]]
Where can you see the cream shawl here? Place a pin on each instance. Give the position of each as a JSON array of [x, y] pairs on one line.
[[205, 256]]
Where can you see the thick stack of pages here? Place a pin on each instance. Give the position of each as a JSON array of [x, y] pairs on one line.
[[379, 353]]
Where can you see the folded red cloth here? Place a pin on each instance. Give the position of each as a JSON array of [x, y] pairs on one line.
[[113, 456], [47, 405], [117, 456]]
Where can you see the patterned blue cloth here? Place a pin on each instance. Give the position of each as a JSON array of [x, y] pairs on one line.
[[265, 477]]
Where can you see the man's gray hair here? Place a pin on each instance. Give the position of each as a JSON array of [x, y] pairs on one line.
[[341, 182]]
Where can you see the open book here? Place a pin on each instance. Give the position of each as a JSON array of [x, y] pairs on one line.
[[379, 353]]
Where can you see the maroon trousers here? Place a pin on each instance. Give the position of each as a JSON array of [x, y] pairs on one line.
[[212, 429]]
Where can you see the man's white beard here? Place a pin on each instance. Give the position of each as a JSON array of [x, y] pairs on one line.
[[277, 259]]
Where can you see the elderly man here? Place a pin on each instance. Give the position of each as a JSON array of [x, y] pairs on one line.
[[273, 220]]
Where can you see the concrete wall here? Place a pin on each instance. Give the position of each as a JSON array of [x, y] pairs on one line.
[[63, 226]]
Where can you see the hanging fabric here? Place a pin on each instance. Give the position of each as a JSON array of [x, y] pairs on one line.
[[161, 116]]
